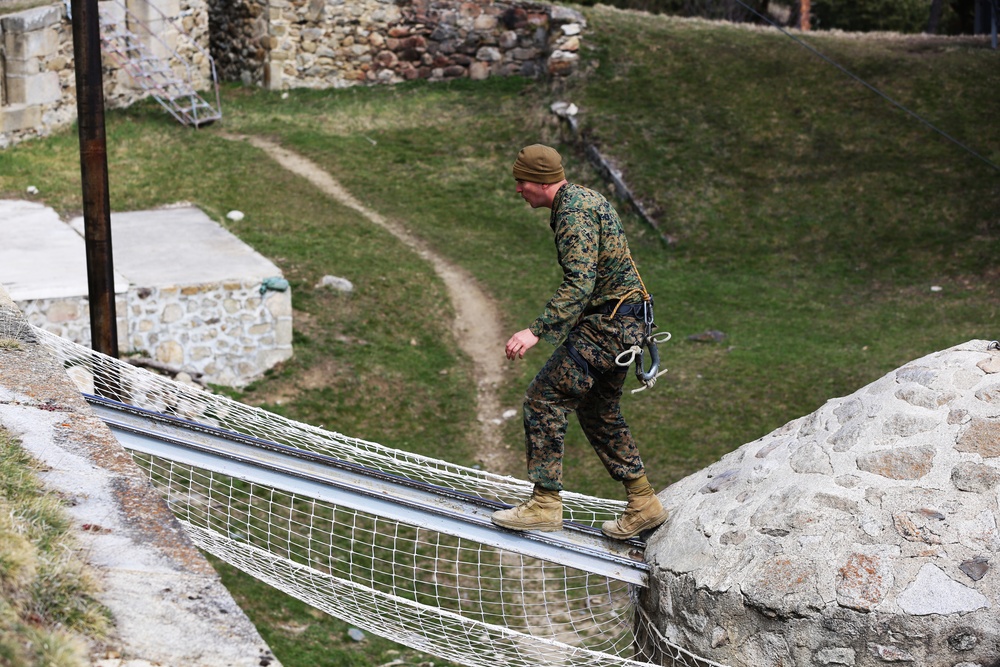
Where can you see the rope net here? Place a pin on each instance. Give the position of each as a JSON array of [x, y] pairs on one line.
[[448, 596]]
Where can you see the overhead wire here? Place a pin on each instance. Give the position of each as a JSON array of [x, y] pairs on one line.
[[871, 87]]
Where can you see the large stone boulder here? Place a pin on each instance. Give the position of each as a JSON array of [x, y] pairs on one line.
[[862, 534]]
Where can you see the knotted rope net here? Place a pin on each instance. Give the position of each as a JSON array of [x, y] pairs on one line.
[[451, 597]]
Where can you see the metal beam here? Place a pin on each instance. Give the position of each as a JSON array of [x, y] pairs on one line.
[[350, 485]]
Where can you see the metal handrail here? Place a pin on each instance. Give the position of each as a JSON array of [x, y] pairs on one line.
[[134, 43]]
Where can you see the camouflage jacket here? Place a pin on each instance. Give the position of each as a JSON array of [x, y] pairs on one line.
[[595, 259]]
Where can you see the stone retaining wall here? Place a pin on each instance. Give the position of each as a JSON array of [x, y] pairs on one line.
[[69, 317], [229, 332], [224, 333], [331, 43]]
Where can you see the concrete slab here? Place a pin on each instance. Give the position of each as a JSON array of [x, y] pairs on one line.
[[188, 292], [41, 256], [180, 246]]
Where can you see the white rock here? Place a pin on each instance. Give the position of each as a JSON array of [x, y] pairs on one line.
[[564, 109], [335, 282], [32, 190], [934, 592], [235, 216]]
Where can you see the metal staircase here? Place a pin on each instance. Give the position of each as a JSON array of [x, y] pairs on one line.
[[169, 78]]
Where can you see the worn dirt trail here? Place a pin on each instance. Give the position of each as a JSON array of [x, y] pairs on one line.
[[476, 327]]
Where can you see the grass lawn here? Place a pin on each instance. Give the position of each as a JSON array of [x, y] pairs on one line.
[[809, 221]]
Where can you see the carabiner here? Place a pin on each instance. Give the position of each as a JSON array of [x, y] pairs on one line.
[[649, 377]]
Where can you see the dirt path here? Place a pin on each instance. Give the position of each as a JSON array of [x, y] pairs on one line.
[[476, 327]]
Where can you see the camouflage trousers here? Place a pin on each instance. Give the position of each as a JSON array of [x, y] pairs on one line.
[[581, 376]]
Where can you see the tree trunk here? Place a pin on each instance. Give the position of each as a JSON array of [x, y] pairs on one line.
[[935, 18]]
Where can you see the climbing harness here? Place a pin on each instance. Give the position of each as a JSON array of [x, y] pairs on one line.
[[649, 340]]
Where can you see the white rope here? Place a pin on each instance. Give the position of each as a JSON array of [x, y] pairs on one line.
[[634, 355], [452, 597]]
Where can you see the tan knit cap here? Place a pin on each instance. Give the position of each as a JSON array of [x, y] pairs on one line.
[[539, 164]]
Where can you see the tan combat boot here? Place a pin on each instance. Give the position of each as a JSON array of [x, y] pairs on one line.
[[644, 511], [542, 511]]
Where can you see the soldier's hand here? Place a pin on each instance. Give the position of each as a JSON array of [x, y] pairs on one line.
[[520, 343]]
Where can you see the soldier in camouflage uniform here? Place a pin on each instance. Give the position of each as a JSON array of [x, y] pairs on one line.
[[594, 315]]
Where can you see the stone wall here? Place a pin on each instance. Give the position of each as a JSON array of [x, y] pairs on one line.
[[224, 333], [229, 332], [321, 44], [281, 44], [69, 317], [37, 80], [37, 75]]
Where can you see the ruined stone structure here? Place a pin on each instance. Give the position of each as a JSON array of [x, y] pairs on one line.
[[331, 43], [38, 91], [862, 535], [282, 44]]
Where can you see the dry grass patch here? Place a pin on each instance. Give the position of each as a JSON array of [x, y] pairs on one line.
[[47, 610]]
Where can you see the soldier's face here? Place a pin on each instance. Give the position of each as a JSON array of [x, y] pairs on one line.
[[533, 193]]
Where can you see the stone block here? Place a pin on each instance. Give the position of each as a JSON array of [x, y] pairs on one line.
[[479, 71], [19, 117], [279, 304], [934, 592], [990, 394], [57, 63], [864, 580], [974, 477], [34, 44], [981, 436], [152, 10], [111, 12], [284, 332], [900, 463], [40, 88], [170, 352], [485, 23], [171, 313], [990, 365], [32, 19], [488, 54], [273, 76], [810, 458], [64, 311]]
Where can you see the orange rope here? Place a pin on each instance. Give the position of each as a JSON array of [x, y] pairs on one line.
[[645, 294]]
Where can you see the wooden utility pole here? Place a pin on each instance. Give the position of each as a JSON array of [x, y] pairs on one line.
[[804, 9], [94, 172]]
